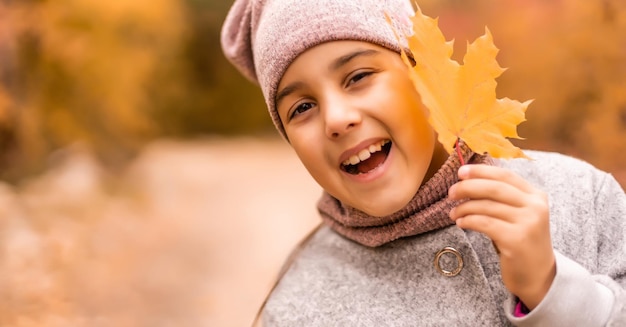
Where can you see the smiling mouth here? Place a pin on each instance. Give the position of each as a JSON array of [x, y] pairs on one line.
[[368, 159]]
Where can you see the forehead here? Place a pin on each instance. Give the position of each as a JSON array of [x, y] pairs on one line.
[[331, 50], [330, 56]]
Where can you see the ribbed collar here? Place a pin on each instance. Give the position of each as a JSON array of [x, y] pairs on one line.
[[428, 210]]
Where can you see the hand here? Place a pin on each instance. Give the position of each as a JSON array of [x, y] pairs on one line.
[[515, 215]]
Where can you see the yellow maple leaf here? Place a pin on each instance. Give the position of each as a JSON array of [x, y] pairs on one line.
[[461, 99]]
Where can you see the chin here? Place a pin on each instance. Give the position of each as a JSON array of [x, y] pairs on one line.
[[383, 211], [392, 200]]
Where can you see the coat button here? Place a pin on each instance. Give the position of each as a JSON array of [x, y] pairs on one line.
[[444, 261]]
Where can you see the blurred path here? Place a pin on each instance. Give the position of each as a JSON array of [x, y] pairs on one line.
[[252, 201], [192, 234]]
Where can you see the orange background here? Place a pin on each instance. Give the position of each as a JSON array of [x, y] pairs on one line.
[[143, 183]]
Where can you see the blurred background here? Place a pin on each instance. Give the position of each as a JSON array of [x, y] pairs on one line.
[[143, 184]]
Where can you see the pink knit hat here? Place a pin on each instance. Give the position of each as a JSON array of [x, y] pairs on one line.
[[262, 37]]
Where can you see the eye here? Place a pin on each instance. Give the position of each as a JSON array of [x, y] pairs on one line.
[[358, 76], [300, 109]]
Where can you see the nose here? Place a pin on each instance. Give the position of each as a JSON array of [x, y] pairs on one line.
[[340, 117]]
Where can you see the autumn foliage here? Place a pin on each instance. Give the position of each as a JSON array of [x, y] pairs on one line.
[[80, 246], [113, 75], [566, 55], [461, 99]]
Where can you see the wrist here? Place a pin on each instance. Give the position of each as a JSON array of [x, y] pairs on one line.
[[533, 295]]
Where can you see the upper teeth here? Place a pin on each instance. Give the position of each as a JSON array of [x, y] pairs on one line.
[[365, 153]]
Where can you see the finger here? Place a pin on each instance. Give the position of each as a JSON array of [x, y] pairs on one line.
[[486, 189], [494, 173], [489, 208], [495, 229]]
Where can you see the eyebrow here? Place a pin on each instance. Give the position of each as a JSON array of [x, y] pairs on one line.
[[287, 91], [336, 64]]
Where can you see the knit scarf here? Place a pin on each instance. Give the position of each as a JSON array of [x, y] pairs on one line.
[[428, 210]]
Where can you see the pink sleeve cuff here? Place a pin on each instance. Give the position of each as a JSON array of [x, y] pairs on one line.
[[520, 309]]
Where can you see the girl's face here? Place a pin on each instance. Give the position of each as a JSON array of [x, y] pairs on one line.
[[356, 122]]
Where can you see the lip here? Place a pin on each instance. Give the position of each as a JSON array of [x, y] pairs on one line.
[[356, 149], [374, 173]]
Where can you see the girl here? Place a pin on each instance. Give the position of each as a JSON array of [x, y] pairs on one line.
[[411, 237]]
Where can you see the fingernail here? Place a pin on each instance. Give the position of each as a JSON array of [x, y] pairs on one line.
[[464, 171], [451, 214]]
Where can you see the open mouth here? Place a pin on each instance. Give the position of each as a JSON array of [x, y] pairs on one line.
[[368, 159]]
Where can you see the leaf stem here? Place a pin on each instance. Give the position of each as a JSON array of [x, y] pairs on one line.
[[457, 145]]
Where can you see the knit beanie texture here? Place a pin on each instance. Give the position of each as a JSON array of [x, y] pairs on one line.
[[263, 37]]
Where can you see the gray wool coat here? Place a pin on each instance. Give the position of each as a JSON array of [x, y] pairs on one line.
[[336, 282]]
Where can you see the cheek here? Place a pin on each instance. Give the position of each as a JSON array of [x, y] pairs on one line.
[[302, 144], [412, 116], [420, 124], [399, 90], [309, 150], [413, 125], [422, 133]]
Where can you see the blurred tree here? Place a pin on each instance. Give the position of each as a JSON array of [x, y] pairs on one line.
[[211, 96], [80, 72], [116, 74], [568, 56], [113, 75]]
